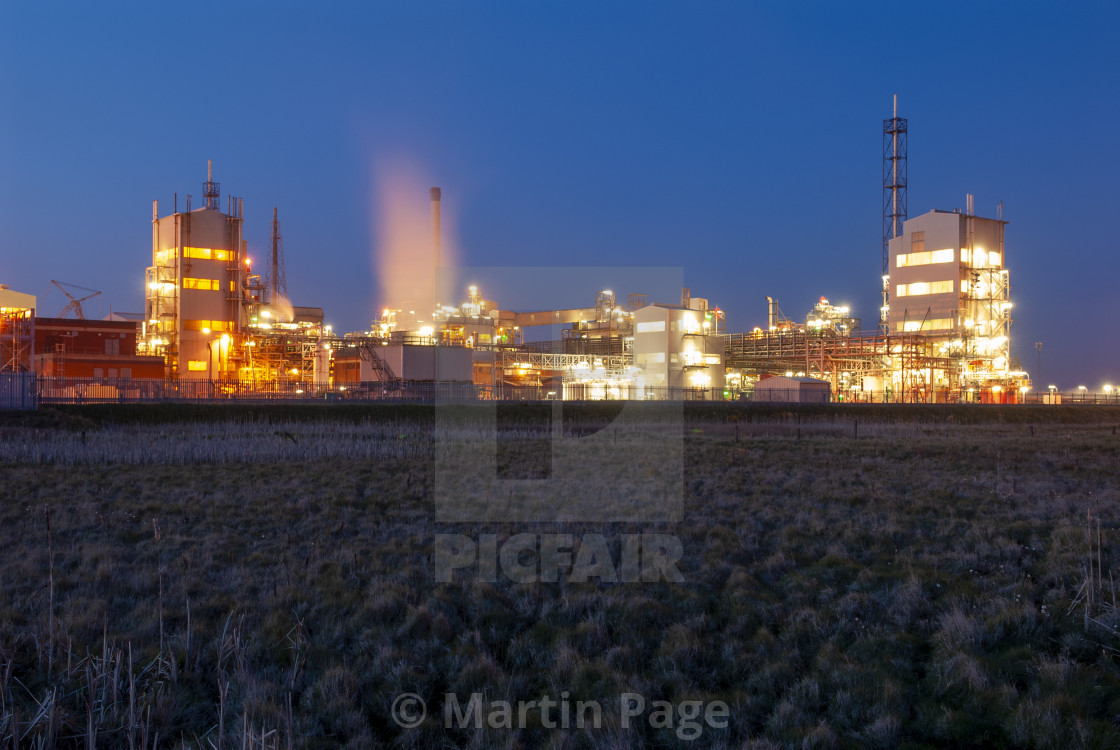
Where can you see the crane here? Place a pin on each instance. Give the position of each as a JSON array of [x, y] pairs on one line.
[[75, 303]]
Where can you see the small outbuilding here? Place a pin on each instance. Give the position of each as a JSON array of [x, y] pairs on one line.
[[782, 389]]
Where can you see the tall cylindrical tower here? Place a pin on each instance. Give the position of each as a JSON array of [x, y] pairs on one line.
[[435, 194]]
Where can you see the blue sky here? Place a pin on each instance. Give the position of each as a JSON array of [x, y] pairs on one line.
[[740, 142]]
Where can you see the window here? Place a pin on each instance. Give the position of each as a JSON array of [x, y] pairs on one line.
[[126, 372], [655, 326], [112, 346], [936, 324], [210, 285], [98, 372], [980, 258], [218, 326], [924, 258], [924, 287], [917, 242], [206, 253], [196, 365]]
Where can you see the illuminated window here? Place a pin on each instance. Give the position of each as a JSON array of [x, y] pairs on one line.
[[980, 258], [196, 365], [936, 324], [924, 258], [924, 287], [206, 253], [656, 326], [213, 325], [209, 285]]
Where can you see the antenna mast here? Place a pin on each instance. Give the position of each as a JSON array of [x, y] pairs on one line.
[[279, 286], [210, 189], [894, 195]]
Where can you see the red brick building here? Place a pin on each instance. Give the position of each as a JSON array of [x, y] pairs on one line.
[[91, 349]]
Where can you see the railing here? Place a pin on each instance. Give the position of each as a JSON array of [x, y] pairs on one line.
[[59, 390], [26, 391], [17, 390]]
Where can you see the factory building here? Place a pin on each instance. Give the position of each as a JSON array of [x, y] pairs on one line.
[[675, 347], [196, 287], [949, 281], [210, 316], [65, 347], [947, 270]]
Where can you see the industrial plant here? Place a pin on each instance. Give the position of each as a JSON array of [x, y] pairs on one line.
[[218, 323]]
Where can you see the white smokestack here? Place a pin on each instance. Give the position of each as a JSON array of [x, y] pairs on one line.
[[435, 194]]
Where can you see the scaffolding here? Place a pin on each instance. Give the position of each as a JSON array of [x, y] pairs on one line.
[[161, 293], [905, 367], [17, 340], [283, 355]]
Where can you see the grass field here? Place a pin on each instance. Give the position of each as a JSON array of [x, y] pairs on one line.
[[853, 577]]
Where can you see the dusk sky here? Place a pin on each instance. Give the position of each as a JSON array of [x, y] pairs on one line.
[[740, 142]]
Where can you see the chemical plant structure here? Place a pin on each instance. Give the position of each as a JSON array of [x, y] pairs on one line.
[[209, 316], [943, 333], [944, 337]]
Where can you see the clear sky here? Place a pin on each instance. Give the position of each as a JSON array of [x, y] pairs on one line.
[[739, 142]]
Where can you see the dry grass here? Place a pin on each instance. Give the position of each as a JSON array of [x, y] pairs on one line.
[[928, 584]]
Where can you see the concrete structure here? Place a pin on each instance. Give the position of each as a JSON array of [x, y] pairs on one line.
[[675, 347], [934, 265], [411, 362], [429, 363], [949, 280], [792, 390], [12, 301], [196, 286]]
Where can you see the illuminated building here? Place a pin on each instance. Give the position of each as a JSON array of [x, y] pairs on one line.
[[17, 330], [197, 287], [949, 281]]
